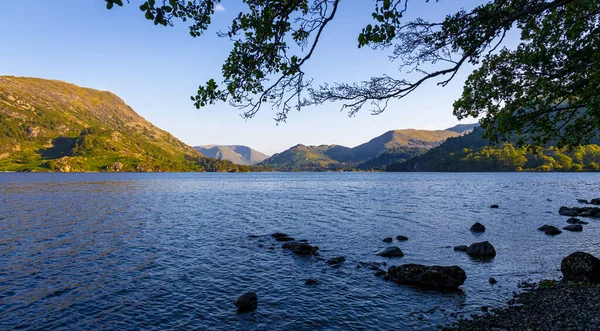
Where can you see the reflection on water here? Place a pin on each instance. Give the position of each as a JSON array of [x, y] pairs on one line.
[[156, 251]]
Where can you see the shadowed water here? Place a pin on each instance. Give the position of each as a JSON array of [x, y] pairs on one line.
[[171, 251]]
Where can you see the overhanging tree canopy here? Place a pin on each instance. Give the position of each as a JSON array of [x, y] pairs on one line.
[[544, 89]]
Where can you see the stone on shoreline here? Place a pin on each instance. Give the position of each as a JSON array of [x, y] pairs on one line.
[[574, 228], [477, 227], [481, 250], [580, 267], [436, 277], [300, 248], [391, 251], [550, 230], [247, 302]]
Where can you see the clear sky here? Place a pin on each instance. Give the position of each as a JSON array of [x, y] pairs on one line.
[[156, 69]]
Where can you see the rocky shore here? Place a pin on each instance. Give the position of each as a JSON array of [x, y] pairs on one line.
[[559, 307]]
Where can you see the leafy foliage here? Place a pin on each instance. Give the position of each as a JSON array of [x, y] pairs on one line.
[[545, 88], [473, 153]]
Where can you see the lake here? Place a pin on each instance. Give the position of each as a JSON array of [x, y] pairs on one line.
[[172, 251]]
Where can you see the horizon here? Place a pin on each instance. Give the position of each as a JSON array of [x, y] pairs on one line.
[[85, 45]]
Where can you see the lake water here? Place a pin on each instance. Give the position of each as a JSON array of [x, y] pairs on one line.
[[171, 251]]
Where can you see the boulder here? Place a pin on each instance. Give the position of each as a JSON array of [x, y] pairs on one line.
[[300, 248], [461, 248], [495, 206], [550, 230], [388, 240], [336, 261], [481, 250], [401, 238], [492, 280], [391, 251], [436, 277], [574, 228], [477, 227], [573, 220], [246, 303], [581, 267]]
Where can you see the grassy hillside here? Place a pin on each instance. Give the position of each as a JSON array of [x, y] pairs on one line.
[[375, 154], [49, 125], [237, 154], [472, 153]]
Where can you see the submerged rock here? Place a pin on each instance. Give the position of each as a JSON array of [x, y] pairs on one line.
[[481, 250], [284, 239], [279, 235], [336, 261], [461, 248], [574, 228], [388, 240], [401, 238], [371, 265], [550, 230], [300, 248], [391, 251], [247, 302], [581, 267], [311, 281], [583, 201], [477, 227], [436, 277]]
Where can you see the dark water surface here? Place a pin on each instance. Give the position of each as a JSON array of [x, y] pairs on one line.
[[171, 251]]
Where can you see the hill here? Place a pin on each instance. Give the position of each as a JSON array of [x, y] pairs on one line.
[[49, 125], [463, 128], [237, 154], [473, 153], [395, 145]]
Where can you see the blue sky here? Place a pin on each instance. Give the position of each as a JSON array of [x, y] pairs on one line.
[[156, 69]]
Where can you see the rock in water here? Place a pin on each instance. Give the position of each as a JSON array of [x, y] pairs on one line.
[[477, 227], [582, 201], [300, 248], [285, 238], [311, 281], [436, 277], [279, 235], [461, 248], [336, 261], [595, 201], [391, 251], [580, 211], [481, 250], [492, 280], [401, 238], [550, 230], [388, 240], [574, 228], [573, 220], [581, 267], [494, 206], [246, 303]]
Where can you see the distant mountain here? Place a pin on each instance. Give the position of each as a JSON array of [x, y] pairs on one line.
[[237, 154], [463, 128], [49, 125], [396, 144], [471, 152]]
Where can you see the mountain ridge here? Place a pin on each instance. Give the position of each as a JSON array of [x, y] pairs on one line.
[[238, 154]]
